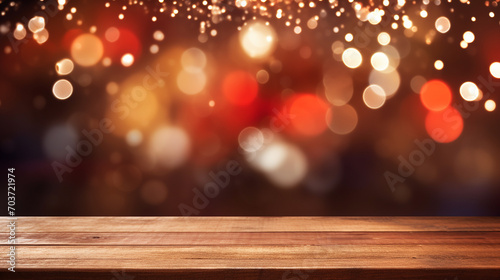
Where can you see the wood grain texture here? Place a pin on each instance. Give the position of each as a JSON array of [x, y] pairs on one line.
[[254, 248]]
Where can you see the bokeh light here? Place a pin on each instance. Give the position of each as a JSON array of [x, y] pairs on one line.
[[251, 139], [127, 60], [87, 50], [257, 39], [444, 126], [490, 105], [169, 146], [342, 119], [435, 95], [469, 37], [338, 87], [309, 113], [379, 61], [374, 96], [191, 83], [495, 69], [438, 64], [193, 60], [352, 58], [469, 91], [443, 24], [36, 24], [62, 89], [64, 66], [384, 38], [240, 88]]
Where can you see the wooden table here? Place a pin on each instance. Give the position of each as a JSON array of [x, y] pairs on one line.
[[127, 248]]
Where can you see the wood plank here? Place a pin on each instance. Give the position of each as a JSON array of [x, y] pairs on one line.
[[253, 224], [255, 248], [257, 257], [258, 238]]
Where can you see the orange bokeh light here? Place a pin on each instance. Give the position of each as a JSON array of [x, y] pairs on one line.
[[444, 126], [308, 114], [240, 88], [435, 95]]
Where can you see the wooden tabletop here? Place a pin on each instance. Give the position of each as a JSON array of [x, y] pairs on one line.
[[452, 248]]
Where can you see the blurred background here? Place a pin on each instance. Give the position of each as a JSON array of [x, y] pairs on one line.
[[284, 107]]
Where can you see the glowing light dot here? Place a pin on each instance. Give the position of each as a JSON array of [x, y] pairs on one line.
[[106, 61], [262, 76], [469, 37], [438, 64], [169, 146], [158, 35], [342, 120], [380, 61], [20, 32], [423, 13], [257, 39], [134, 138], [490, 105], [251, 139], [211, 103], [86, 50], [435, 95], [440, 128], [374, 96], [127, 60], [469, 91], [463, 44], [384, 38], [62, 89], [191, 83], [64, 66], [193, 60], [121, 16], [154, 48], [41, 36], [443, 24], [36, 24], [349, 37], [112, 88], [495, 69], [112, 34], [352, 58]]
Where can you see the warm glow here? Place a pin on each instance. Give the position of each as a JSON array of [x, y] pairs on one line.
[[257, 39], [443, 24], [374, 97], [352, 58], [435, 95], [490, 105], [87, 50], [240, 88], [309, 113], [64, 66], [62, 89], [444, 126]]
